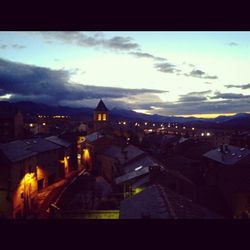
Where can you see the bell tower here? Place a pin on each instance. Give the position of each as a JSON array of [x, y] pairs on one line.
[[101, 116]]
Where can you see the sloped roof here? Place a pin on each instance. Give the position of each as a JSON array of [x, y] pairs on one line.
[[59, 141], [22, 149], [101, 106], [132, 175], [93, 137], [118, 153], [228, 157], [147, 202], [145, 161], [161, 203], [16, 151]]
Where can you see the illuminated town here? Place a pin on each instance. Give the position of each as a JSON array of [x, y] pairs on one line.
[[75, 151], [105, 168]]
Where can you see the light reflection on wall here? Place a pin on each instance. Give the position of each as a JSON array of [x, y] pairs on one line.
[[86, 155]]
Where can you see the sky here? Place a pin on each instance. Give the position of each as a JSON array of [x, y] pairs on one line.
[[202, 74]]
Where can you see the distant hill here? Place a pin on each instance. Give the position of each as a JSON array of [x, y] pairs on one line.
[[241, 120]]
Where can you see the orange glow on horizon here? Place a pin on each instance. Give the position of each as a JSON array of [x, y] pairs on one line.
[[207, 115]]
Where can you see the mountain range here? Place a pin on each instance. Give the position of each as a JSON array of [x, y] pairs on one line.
[[31, 108]]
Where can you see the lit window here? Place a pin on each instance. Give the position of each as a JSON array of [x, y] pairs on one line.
[[99, 117], [104, 117]]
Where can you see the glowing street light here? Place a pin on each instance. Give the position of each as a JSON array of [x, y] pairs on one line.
[[192, 128], [202, 134], [208, 134]]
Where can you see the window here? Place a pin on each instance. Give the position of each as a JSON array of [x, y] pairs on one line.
[[99, 117], [104, 117]]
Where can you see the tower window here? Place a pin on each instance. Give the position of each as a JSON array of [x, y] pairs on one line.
[[104, 117], [99, 117]]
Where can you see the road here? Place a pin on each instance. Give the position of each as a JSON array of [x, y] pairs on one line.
[[49, 195]]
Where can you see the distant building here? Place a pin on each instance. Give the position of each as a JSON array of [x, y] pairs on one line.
[[11, 123], [227, 168], [101, 116], [240, 139], [82, 128], [88, 148]]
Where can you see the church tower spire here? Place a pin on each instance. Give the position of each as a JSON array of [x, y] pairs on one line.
[[101, 115]]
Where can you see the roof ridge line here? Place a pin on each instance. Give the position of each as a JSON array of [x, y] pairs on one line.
[[165, 198]]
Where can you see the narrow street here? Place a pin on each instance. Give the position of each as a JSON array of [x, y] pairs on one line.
[[49, 195]]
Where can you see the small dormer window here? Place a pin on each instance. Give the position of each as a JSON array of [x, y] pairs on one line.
[[99, 117], [104, 117]]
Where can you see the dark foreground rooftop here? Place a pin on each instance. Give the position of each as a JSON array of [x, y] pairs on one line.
[[156, 202]]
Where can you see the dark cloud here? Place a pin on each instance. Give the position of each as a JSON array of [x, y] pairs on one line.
[[26, 82], [200, 93], [147, 55], [203, 107], [233, 44], [18, 46], [187, 98], [200, 74], [242, 86], [14, 46], [194, 96], [91, 40], [166, 67], [229, 96]]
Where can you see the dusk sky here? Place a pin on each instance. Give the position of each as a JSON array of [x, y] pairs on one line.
[[167, 73]]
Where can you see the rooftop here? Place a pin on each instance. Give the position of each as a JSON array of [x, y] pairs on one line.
[[59, 141], [132, 175], [142, 162], [93, 137], [228, 156], [101, 106], [22, 149], [161, 203], [123, 155]]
